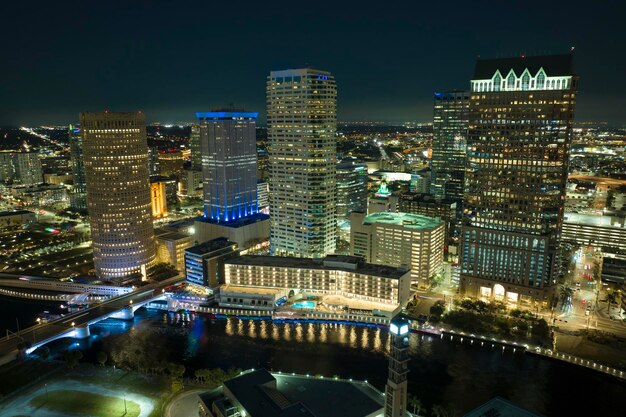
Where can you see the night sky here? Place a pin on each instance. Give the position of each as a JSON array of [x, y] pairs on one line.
[[172, 58]]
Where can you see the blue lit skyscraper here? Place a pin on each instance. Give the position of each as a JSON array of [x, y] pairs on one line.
[[228, 147]]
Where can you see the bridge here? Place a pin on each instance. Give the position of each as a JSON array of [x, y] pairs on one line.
[[76, 325]]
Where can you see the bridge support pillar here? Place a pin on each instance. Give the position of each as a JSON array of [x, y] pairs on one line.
[[126, 313], [81, 332]]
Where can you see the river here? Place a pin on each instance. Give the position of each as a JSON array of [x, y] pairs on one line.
[[441, 372]]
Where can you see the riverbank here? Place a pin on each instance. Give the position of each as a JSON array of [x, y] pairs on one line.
[[582, 346]]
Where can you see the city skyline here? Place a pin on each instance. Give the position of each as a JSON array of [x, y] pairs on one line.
[[388, 71]]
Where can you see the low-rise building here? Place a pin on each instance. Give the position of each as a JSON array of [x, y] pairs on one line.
[[170, 248], [397, 239], [16, 219], [232, 296], [258, 393], [204, 263], [346, 276], [245, 232]]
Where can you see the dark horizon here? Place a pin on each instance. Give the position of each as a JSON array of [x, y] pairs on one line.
[[172, 61]]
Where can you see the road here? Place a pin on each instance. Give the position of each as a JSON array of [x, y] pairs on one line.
[[84, 317]]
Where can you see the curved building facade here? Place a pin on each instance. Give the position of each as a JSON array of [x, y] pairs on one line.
[[118, 192]]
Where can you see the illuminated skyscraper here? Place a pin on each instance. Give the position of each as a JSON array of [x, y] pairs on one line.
[[194, 145], [520, 132], [449, 144], [302, 144], [79, 192], [118, 192], [228, 144], [231, 209]]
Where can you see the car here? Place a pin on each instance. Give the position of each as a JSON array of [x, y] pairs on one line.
[[587, 312]]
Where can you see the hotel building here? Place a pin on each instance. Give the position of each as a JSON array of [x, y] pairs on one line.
[[347, 276], [302, 145], [118, 192], [400, 239], [520, 131]]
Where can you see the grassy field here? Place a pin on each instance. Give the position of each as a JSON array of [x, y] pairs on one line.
[[82, 403]]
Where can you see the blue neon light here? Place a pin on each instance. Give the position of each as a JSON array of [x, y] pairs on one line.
[[226, 115]]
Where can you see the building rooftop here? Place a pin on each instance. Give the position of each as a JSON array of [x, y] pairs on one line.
[[225, 115], [171, 236], [210, 246], [330, 262], [597, 221], [263, 394], [427, 198], [408, 220], [499, 407], [14, 213], [553, 65]]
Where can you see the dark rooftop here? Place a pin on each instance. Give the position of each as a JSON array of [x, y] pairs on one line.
[[14, 213], [553, 65], [265, 395], [210, 246]]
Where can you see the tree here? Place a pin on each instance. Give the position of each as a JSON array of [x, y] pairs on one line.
[[102, 358], [43, 352], [72, 357], [176, 370], [416, 403], [440, 411]]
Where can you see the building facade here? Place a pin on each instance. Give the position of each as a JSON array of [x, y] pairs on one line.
[[194, 145], [519, 137], [118, 192], [400, 239], [348, 276], [204, 263], [78, 200], [302, 145], [450, 123], [228, 145], [170, 248], [21, 168], [158, 201], [351, 188]]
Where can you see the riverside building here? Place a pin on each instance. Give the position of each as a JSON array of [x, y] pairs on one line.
[[520, 131], [347, 276], [400, 239], [302, 145], [118, 192]]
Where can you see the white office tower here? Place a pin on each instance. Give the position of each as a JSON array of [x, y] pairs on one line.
[[302, 144]]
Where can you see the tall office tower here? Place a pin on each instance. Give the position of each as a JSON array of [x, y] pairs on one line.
[[396, 388], [231, 209], [79, 194], [302, 145], [228, 143], [118, 192], [351, 188], [27, 168], [194, 145], [520, 132], [449, 144]]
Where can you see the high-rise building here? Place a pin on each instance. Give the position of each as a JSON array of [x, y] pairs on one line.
[[302, 145], [171, 164], [228, 144], [158, 200], [79, 192], [21, 168], [351, 188], [118, 192], [449, 144], [520, 132], [398, 239], [194, 145]]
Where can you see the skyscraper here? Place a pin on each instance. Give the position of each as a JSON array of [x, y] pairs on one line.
[[231, 209], [351, 188], [118, 192], [520, 132], [26, 168], [228, 144], [194, 145], [302, 145], [79, 194], [449, 144]]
